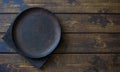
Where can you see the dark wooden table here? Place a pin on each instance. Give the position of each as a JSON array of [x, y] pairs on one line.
[[90, 36]]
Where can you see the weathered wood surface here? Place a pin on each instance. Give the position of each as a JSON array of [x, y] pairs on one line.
[[63, 63], [82, 43], [76, 22], [62, 6], [90, 36]]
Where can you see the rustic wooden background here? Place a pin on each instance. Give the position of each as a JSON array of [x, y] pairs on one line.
[[90, 36]]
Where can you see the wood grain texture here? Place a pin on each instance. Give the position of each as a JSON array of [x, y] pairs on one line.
[[63, 63], [76, 22], [91, 31], [62, 6], [82, 43]]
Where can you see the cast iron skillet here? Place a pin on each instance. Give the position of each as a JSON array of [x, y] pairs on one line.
[[35, 33]]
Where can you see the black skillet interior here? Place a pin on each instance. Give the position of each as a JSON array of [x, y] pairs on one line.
[[35, 34]]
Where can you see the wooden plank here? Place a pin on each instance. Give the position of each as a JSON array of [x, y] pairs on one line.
[[76, 22], [62, 6], [82, 43], [63, 63]]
